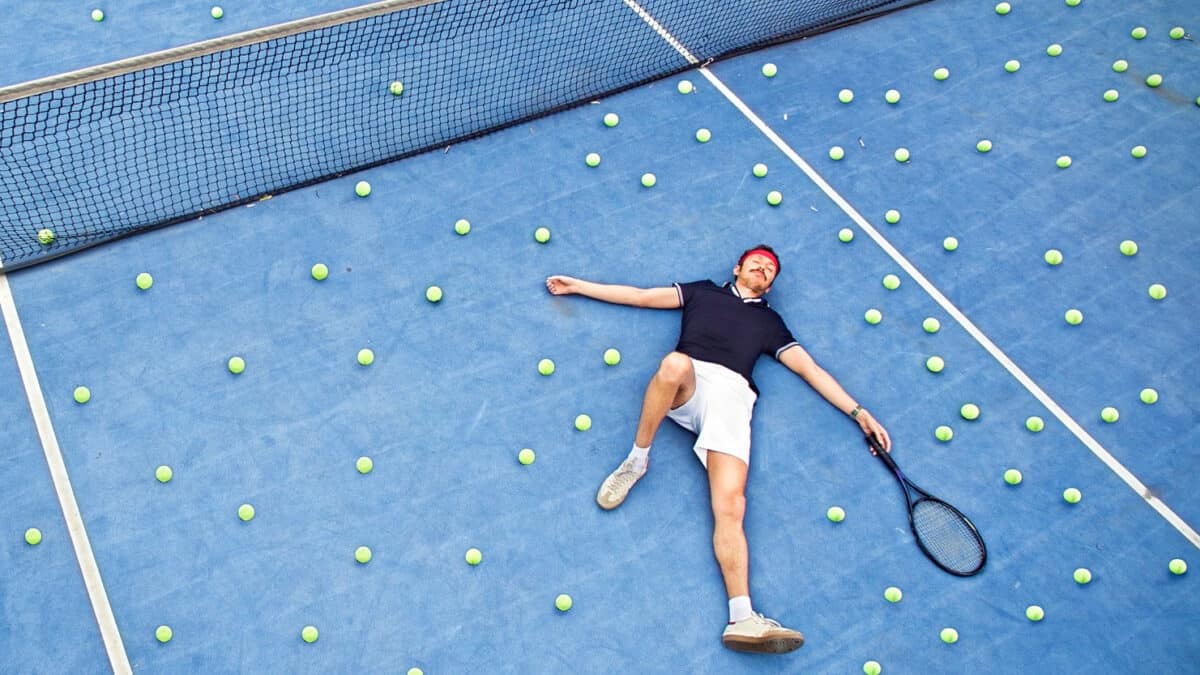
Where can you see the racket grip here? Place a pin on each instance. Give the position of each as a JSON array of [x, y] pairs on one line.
[[879, 451]]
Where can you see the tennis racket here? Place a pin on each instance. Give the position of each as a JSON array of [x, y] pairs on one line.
[[945, 535]]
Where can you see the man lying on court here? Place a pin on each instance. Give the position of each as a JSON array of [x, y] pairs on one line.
[[706, 387]]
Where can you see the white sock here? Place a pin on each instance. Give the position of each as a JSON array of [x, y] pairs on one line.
[[740, 608], [640, 456]]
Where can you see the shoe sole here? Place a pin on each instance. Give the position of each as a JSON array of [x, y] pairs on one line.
[[764, 645], [607, 506]]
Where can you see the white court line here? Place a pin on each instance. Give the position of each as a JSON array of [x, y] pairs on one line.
[[62, 486], [1074, 427]]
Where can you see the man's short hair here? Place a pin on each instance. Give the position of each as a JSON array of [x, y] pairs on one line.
[[762, 247]]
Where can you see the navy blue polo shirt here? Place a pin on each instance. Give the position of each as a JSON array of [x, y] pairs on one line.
[[722, 327]]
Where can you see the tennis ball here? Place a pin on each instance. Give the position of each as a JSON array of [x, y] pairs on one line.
[[1158, 291], [362, 188], [563, 602], [836, 153], [1073, 317], [474, 556], [1072, 495], [362, 554], [1120, 66], [1110, 414], [984, 145], [685, 87], [309, 634], [433, 294], [546, 367], [246, 512], [648, 180], [1112, 95], [1003, 8], [1177, 33], [950, 243], [1149, 396], [541, 235], [612, 357], [462, 226], [592, 159], [1054, 50], [1138, 151], [1012, 65], [1083, 576], [97, 15], [164, 474], [1034, 613], [320, 271], [396, 87], [216, 12], [236, 365], [1034, 423], [931, 325], [1154, 80], [891, 282], [415, 671], [760, 170], [873, 316], [1012, 477], [774, 197], [703, 135], [943, 433], [969, 411], [935, 364], [1063, 161], [872, 668], [526, 456], [1177, 566], [892, 216], [163, 634], [1073, 3], [611, 120], [902, 155], [835, 514], [1138, 33], [1129, 247], [892, 594], [941, 74], [949, 636], [845, 235], [845, 95], [364, 464], [891, 96], [33, 536], [82, 394], [583, 422], [46, 236], [1053, 257], [769, 70], [365, 357]]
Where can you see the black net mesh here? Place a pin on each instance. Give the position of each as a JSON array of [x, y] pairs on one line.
[[99, 160], [947, 537]]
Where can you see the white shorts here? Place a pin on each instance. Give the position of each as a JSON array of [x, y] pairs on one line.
[[718, 412]]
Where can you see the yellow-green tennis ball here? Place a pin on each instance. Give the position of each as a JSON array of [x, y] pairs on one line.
[[362, 554], [891, 282], [1177, 33], [1012, 65], [935, 364], [1138, 151], [769, 70], [415, 671], [1129, 247], [1149, 396], [943, 433], [950, 243], [611, 120], [1012, 477], [949, 636], [846, 95], [648, 180], [774, 197], [1083, 576], [592, 159], [366, 357], [836, 153], [474, 556], [1073, 317], [1003, 8], [902, 155], [845, 235], [364, 464], [33, 536], [1053, 257], [931, 325], [1072, 495], [759, 170], [320, 271], [97, 15], [82, 394], [236, 365], [462, 226], [1063, 161], [216, 12], [984, 145], [46, 236], [541, 235], [941, 74], [546, 367], [892, 96], [1158, 291], [1110, 414], [872, 668], [1034, 613], [703, 135], [309, 634], [893, 594], [362, 188], [1177, 566], [163, 634], [873, 316], [1073, 3], [164, 474], [1138, 33], [835, 514], [583, 422], [612, 357], [1054, 50], [1154, 80], [396, 87], [246, 512], [1112, 95], [1034, 423], [433, 294], [969, 411], [892, 216], [685, 87], [526, 456], [1120, 66], [563, 602]]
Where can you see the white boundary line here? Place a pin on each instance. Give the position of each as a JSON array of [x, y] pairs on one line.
[[62, 486], [1074, 427]]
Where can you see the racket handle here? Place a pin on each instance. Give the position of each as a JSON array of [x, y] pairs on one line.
[[880, 452]]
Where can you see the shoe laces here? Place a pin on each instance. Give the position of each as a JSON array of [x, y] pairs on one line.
[[770, 622], [626, 475]]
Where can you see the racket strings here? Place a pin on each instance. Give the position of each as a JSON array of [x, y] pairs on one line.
[[947, 536]]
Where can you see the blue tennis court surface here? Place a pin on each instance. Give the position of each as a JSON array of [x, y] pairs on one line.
[[454, 392]]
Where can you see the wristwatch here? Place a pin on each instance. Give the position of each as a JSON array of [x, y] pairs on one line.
[[854, 413]]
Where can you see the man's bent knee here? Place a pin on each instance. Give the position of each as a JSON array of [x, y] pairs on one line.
[[675, 368]]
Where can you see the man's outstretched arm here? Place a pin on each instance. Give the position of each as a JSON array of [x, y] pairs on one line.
[[800, 362], [666, 297]]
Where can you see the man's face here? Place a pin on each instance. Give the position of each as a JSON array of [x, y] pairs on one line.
[[757, 272]]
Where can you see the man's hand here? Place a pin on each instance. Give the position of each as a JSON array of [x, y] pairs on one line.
[[872, 427], [562, 285]]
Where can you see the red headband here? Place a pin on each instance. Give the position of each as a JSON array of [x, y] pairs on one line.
[[763, 252]]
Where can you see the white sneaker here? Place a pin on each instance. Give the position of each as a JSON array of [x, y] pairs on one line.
[[616, 487], [760, 634]]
